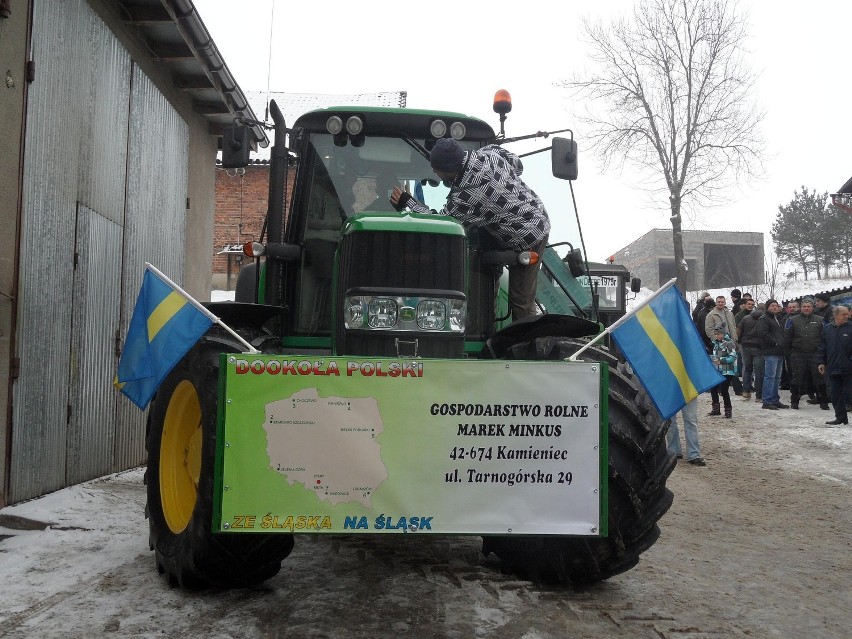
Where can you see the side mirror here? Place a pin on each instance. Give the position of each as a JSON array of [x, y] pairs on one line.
[[574, 260], [564, 159], [635, 284], [236, 145]]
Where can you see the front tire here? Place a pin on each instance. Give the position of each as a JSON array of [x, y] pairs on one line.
[[639, 464], [181, 447]]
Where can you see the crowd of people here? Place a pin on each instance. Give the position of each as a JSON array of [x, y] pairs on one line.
[[761, 349]]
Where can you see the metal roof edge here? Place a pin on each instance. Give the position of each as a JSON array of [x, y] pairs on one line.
[[201, 43]]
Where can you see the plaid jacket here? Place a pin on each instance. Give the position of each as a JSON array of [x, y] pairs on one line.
[[489, 194]]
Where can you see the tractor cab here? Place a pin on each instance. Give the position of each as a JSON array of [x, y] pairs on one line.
[[352, 275]]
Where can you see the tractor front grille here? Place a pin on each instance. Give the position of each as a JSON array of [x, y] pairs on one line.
[[393, 260]]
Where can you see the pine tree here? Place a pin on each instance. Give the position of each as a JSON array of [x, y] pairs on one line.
[[805, 232]]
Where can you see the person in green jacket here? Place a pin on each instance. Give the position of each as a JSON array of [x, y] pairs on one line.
[[725, 360]]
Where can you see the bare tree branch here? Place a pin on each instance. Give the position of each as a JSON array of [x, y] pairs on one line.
[[672, 94]]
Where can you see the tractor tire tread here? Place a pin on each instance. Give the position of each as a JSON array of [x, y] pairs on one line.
[[639, 465]]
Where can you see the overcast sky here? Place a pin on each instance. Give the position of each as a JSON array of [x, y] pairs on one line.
[[455, 55]]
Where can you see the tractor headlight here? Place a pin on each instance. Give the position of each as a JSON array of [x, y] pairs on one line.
[[431, 315], [353, 312], [413, 312], [382, 313], [458, 315]]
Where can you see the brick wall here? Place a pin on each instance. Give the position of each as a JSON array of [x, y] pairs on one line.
[[241, 204]]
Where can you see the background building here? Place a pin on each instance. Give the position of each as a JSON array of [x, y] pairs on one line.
[[715, 259], [112, 113]]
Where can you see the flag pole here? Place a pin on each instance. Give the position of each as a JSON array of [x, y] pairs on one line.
[[200, 307], [623, 319]]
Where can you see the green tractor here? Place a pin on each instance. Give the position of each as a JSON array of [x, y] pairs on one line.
[[343, 286]]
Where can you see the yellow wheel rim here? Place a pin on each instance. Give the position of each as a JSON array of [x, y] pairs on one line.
[[180, 457]]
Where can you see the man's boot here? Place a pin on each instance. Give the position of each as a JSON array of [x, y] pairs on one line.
[[714, 409], [727, 412], [822, 397], [794, 396]]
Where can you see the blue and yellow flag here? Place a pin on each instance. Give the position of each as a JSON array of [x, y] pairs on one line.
[[665, 350], [164, 326]]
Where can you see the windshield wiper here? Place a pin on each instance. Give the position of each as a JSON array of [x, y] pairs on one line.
[[414, 144]]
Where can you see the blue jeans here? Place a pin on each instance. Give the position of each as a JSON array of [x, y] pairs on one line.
[[752, 368], [773, 365], [690, 431]]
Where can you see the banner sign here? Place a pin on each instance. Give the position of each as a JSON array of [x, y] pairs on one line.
[[346, 444]]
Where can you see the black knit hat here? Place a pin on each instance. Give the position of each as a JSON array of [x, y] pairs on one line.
[[735, 292], [823, 296], [446, 156]]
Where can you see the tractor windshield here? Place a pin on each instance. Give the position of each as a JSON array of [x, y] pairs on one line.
[[361, 178]]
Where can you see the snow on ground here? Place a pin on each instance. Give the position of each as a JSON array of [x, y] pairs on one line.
[[222, 296]]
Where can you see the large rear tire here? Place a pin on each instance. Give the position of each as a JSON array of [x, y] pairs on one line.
[[181, 447], [639, 464]]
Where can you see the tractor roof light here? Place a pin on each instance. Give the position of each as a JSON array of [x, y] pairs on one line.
[[458, 131], [438, 128], [354, 125], [334, 125]]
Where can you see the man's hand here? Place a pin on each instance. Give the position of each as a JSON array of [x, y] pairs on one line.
[[399, 198], [821, 369]]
